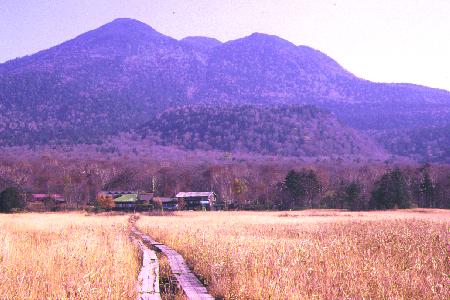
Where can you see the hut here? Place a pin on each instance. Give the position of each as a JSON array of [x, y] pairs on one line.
[[129, 200], [197, 200], [126, 202], [166, 203]]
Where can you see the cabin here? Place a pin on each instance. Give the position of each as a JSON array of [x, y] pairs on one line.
[[197, 200], [129, 200], [42, 197], [145, 196], [166, 203], [116, 194], [44, 202]]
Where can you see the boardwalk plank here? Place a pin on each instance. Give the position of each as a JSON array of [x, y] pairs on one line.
[[191, 286], [148, 278]]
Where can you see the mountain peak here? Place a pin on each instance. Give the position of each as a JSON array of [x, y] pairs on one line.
[[258, 39], [126, 26], [117, 34], [262, 35], [127, 20], [268, 37], [128, 23]]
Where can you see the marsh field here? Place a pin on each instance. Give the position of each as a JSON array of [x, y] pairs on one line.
[[312, 254]]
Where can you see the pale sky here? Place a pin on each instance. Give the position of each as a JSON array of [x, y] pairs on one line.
[[379, 40]]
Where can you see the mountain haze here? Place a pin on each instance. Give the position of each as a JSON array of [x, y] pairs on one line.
[[126, 74]]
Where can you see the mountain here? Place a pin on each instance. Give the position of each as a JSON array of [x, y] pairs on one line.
[[95, 84], [122, 75], [200, 42], [286, 130], [430, 144], [267, 69]]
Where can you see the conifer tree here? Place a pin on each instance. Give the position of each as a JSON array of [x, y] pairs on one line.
[[10, 199], [427, 190], [390, 191]]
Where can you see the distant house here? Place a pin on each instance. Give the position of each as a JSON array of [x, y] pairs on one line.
[[145, 196], [116, 194], [197, 200], [166, 203], [129, 200], [45, 202], [58, 198]]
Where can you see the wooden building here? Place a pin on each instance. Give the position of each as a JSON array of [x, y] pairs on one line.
[[130, 200], [45, 202], [197, 200], [41, 197], [166, 203], [126, 202]]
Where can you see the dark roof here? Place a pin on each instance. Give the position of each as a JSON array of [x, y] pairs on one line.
[[164, 199]]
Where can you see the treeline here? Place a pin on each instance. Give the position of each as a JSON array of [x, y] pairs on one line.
[[393, 189], [240, 185]]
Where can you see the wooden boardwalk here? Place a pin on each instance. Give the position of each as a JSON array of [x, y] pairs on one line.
[[189, 283], [148, 277]]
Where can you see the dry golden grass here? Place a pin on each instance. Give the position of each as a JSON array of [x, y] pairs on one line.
[[313, 254], [66, 256]]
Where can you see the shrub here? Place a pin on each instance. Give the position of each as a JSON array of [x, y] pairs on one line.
[[10, 200]]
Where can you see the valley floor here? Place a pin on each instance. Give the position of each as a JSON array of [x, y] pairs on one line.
[[308, 254]]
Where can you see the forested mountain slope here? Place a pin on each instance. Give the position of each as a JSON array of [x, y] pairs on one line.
[[120, 76], [287, 130]]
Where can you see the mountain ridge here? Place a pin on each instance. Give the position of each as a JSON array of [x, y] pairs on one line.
[[204, 43], [93, 85]]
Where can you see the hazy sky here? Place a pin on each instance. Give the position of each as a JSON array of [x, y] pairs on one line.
[[380, 40]]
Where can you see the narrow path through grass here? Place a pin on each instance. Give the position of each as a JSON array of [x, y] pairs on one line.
[[189, 283]]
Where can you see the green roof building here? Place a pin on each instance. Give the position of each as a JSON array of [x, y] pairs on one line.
[[126, 201]]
